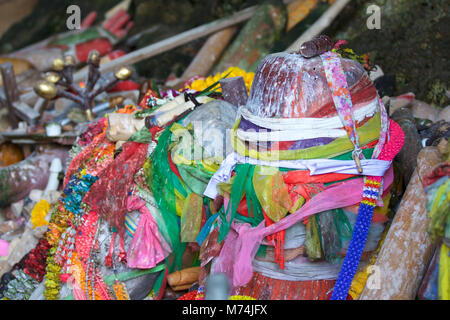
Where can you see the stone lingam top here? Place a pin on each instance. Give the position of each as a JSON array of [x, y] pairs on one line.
[[287, 85]]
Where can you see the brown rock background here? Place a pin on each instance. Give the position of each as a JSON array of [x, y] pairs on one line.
[[413, 43]]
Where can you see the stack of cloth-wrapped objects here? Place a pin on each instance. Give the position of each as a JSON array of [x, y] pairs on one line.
[[307, 183]]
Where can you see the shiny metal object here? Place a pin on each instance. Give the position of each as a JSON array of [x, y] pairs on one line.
[[46, 90], [89, 115], [123, 73], [94, 57], [69, 60], [58, 64], [52, 77]]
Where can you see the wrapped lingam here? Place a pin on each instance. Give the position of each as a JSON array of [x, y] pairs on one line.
[[306, 189]]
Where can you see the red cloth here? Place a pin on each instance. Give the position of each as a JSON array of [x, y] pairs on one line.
[[307, 191], [265, 288], [108, 24], [89, 20], [302, 176], [173, 167], [438, 172], [126, 85], [116, 54], [189, 296], [278, 239], [102, 45], [84, 155], [108, 195], [149, 94]]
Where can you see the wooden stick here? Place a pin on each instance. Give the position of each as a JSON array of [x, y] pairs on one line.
[[321, 24], [209, 53], [207, 56], [407, 249], [298, 10], [201, 31], [183, 277], [173, 42], [182, 287], [40, 105], [11, 90], [156, 48], [43, 43], [25, 112]]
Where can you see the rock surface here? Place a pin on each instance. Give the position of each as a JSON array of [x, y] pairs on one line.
[[412, 43]]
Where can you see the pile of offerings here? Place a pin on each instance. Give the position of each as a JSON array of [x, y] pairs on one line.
[[282, 193]]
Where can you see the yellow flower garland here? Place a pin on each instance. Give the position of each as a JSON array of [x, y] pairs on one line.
[[39, 212], [201, 84], [360, 279], [240, 297]]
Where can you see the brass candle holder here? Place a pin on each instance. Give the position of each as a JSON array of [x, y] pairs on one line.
[[59, 82]]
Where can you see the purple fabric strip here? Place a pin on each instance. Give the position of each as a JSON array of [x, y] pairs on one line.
[[308, 143], [298, 145]]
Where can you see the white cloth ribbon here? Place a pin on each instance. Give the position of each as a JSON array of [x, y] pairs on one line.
[[289, 135], [371, 167], [310, 123]]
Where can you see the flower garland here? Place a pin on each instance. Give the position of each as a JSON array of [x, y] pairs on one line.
[[87, 291], [69, 204], [66, 246], [21, 287], [34, 262], [197, 295], [189, 296], [76, 189], [200, 293], [73, 228], [39, 212], [58, 223], [87, 248], [52, 282], [241, 297], [359, 282], [86, 233], [201, 84], [93, 130], [120, 291]]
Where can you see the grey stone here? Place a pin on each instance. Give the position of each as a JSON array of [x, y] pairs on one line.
[[407, 157], [423, 110], [211, 122], [444, 114], [139, 288], [234, 91]]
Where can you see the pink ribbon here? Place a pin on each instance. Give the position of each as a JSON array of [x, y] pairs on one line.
[[77, 291], [147, 248], [242, 242], [4, 248]]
